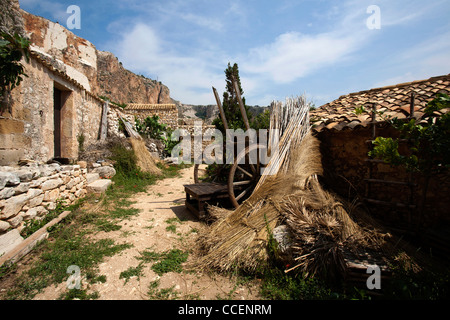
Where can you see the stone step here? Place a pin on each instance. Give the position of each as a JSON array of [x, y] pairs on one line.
[[98, 186], [91, 177], [9, 241]]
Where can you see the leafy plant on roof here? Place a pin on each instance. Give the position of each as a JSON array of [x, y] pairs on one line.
[[12, 49], [428, 140]]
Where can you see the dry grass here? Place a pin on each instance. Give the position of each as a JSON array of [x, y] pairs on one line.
[[145, 161], [322, 226]]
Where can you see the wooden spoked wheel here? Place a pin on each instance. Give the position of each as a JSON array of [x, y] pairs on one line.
[[244, 175], [217, 173]]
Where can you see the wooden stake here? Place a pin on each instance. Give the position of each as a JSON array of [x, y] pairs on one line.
[[241, 104], [222, 113]]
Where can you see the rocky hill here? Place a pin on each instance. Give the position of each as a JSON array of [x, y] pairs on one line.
[[208, 113]]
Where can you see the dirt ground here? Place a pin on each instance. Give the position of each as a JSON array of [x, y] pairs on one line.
[[147, 231]]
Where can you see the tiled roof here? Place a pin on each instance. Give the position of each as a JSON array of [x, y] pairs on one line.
[[137, 106], [393, 101]]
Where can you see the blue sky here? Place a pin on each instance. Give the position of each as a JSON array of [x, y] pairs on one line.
[[284, 48]]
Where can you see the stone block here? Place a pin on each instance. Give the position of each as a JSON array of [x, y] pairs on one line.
[[4, 226], [91, 177], [13, 206], [9, 241], [105, 172], [98, 186], [36, 201], [51, 195], [8, 179], [51, 184], [6, 193]]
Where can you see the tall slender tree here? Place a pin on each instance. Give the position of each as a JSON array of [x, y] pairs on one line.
[[230, 101]]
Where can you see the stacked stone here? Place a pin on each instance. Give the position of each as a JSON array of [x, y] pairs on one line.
[[29, 192], [113, 122]]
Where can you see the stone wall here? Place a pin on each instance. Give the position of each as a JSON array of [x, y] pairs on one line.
[[29, 192], [344, 155], [167, 113]]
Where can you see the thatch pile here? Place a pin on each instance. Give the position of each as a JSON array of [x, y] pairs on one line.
[[145, 161], [322, 226]]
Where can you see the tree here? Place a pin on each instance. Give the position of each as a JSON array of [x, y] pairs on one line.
[[12, 49], [230, 102]]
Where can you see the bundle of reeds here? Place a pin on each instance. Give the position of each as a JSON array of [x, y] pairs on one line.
[[322, 225], [240, 238], [145, 161]]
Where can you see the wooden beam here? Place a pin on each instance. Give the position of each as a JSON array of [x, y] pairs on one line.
[[241, 104], [222, 113]]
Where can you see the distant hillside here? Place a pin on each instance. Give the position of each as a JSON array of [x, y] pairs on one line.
[[208, 112]]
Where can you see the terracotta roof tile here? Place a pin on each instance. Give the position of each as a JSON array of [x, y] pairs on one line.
[[394, 101]]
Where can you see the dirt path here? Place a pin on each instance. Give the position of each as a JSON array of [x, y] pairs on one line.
[[162, 224]]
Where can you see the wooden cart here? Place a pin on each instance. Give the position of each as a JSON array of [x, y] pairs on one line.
[[243, 176]]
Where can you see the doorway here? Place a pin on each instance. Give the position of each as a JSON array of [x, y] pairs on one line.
[[57, 102], [62, 123]]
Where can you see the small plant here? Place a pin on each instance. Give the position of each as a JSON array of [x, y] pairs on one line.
[[12, 49]]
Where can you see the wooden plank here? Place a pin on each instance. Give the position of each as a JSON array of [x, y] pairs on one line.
[[104, 121], [406, 183], [222, 113], [205, 189], [392, 204], [241, 104]]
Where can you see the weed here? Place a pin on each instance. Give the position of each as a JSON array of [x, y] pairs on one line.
[[131, 272], [171, 262], [161, 294]]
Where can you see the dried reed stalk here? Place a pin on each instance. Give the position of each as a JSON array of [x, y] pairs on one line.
[[145, 161]]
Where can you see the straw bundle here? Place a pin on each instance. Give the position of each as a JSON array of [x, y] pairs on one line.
[[145, 160], [241, 237], [322, 226]]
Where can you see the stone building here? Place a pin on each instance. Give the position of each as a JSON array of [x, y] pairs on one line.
[[390, 193], [50, 114]]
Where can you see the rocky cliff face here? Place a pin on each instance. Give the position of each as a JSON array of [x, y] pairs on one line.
[[124, 86], [99, 72]]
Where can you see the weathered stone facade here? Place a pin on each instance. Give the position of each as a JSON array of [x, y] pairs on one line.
[[27, 129]]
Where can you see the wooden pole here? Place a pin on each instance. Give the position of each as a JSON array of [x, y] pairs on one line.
[[219, 104], [241, 104]]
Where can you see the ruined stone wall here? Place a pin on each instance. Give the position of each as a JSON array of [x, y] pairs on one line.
[[343, 158], [27, 127], [167, 114]]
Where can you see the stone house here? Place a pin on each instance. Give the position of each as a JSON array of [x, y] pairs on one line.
[[389, 193], [51, 113]]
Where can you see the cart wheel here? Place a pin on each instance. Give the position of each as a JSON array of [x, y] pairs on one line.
[[243, 177], [196, 168], [217, 174]]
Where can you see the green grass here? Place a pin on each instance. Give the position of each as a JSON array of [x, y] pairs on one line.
[[167, 261], [69, 242]]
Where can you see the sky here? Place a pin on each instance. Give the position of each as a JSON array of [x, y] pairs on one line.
[[284, 48]]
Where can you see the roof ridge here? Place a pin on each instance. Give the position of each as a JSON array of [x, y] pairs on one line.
[[398, 85]]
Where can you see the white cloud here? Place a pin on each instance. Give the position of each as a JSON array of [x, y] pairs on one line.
[[189, 75], [293, 55]]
